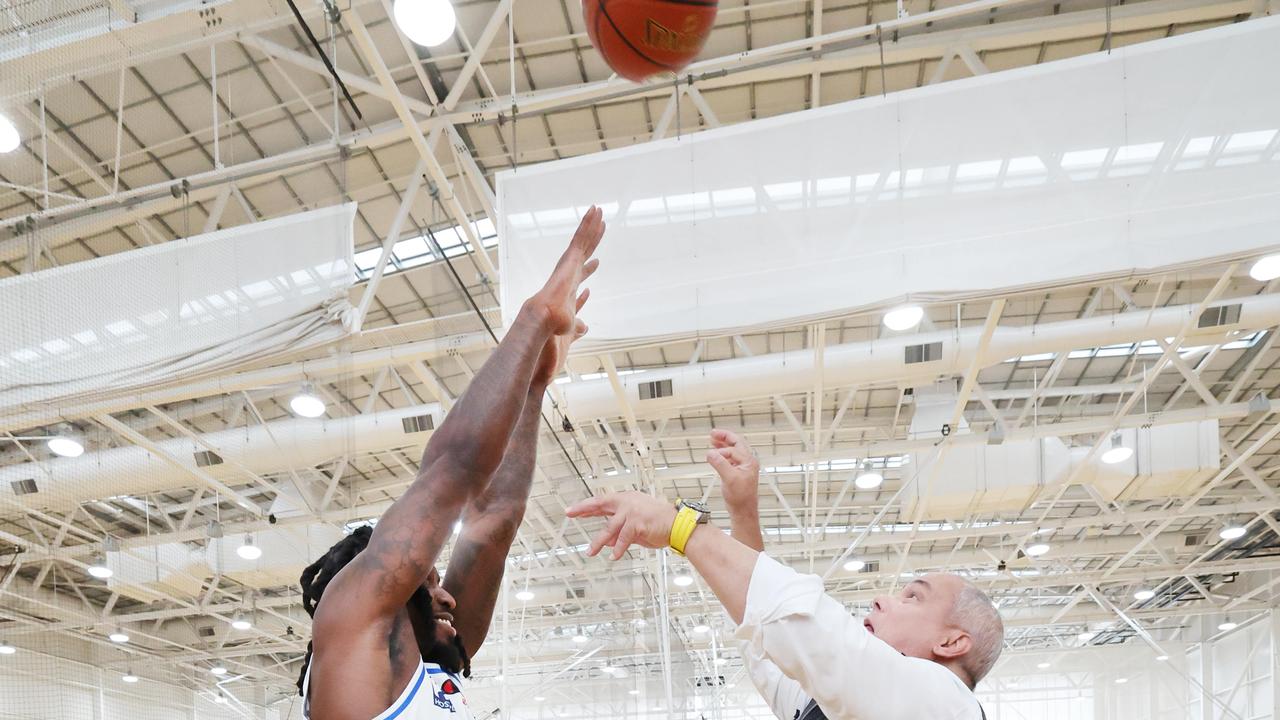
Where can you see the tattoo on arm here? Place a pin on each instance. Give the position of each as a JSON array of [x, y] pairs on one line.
[[489, 527]]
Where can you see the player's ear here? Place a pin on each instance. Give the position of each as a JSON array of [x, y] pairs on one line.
[[955, 643]]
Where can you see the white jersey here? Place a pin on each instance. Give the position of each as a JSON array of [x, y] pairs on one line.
[[433, 693]]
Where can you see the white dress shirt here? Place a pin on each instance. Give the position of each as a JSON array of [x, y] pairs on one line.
[[798, 643]]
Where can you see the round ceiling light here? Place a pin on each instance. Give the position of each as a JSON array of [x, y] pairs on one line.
[[426, 22], [1266, 268], [9, 138], [903, 318]]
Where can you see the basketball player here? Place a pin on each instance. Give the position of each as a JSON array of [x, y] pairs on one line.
[[387, 636], [917, 656]]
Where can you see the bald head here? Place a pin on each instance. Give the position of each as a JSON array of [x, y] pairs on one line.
[[943, 618]]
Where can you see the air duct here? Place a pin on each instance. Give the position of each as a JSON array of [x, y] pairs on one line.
[[914, 359], [297, 443], [276, 446]]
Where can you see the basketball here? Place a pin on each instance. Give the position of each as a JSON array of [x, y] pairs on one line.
[[639, 38]]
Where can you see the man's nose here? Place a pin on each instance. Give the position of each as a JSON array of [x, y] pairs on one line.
[[443, 598], [878, 605]]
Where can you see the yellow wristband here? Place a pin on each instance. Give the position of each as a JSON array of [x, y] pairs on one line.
[[682, 529]]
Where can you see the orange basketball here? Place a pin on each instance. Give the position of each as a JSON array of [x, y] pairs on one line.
[[639, 38]]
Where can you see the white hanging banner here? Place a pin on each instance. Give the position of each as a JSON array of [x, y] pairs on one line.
[[1153, 157], [175, 311]]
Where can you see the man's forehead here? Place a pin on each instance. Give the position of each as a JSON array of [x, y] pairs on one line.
[[944, 582]]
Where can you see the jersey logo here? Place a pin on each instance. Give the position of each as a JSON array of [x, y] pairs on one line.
[[441, 696]]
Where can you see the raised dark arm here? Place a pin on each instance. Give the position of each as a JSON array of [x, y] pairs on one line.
[[463, 454]]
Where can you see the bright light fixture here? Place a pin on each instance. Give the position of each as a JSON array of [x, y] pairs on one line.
[[854, 566], [9, 138], [702, 629], [221, 699], [683, 580], [7, 649], [498, 677], [98, 568], [118, 636], [1226, 625], [579, 638], [1037, 550], [904, 318], [633, 692], [218, 670], [869, 480], [1086, 636], [426, 22], [1143, 595], [1117, 453], [240, 622], [130, 678], [307, 403], [65, 446], [1043, 665], [1266, 269], [524, 596], [1162, 658], [1231, 532], [1121, 680], [721, 661], [248, 550], [538, 698]]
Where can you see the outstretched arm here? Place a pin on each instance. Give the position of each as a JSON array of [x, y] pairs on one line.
[[489, 525], [462, 454], [788, 619], [491, 519]]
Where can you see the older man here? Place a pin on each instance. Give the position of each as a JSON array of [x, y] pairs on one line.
[[917, 656]]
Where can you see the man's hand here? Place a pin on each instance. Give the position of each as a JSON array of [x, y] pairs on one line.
[[738, 469], [739, 472], [634, 518], [558, 301]]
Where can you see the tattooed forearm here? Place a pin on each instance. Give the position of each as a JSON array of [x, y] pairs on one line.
[[489, 526]]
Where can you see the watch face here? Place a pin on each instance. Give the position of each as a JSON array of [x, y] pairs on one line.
[[696, 506]]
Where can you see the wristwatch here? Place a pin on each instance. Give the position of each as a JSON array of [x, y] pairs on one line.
[[689, 515]]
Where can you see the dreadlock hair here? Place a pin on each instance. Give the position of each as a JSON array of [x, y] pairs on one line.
[[318, 574], [316, 578]]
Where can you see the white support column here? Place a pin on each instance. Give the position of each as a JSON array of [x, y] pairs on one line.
[[1274, 626], [1206, 681]]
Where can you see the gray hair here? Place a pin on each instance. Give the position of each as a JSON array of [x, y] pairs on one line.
[[977, 615]]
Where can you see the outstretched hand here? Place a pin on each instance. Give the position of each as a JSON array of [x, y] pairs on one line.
[[559, 298], [634, 519]]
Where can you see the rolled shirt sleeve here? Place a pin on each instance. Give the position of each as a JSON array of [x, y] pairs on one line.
[[792, 626]]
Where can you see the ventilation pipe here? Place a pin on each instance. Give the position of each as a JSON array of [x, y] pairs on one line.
[[276, 446], [916, 359], [297, 443]]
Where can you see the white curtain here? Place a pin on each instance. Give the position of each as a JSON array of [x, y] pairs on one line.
[[1152, 157], [174, 311]]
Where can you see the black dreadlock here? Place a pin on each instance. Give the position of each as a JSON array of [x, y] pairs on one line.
[[316, 578]]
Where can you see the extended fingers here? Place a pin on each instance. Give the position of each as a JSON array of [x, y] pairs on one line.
[[591, 507], [607, 536], [624, 541], [582, 299]]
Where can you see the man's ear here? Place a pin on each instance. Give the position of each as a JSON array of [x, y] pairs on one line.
[[956, 643]]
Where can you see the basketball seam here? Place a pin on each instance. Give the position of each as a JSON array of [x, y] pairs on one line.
[[604, 11]]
